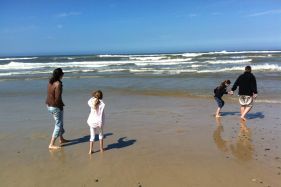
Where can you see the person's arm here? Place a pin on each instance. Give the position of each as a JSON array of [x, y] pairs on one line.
[[236, 83], [255, 91], [254, 87], [58, 95], [91, 103], [103, 115], [225, 91]]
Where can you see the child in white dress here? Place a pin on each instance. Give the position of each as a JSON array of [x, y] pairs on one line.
[[96, 118]]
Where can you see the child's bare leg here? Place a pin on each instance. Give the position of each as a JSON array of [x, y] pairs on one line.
[[218, 112], [92, 139], [101, 145], [91, 147], [101, 138], [52, 144]]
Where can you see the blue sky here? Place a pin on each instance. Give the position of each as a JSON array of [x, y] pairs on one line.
[[137, 26]]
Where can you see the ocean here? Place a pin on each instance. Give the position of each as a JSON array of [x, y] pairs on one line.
[[179, 74]]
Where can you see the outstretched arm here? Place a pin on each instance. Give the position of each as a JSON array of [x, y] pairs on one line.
[[236, 83]]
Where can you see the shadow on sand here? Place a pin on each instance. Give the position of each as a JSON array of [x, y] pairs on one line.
[[256, 115], [121, 143], [83, 139], [230, 113]]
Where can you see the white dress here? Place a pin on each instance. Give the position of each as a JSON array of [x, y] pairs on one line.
[[96, 117]]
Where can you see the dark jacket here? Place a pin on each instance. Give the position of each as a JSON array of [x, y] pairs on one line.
[[220, 91], [247, 84], [54, 95]]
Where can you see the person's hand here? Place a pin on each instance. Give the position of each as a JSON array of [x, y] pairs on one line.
[[231, 92], [255, 96]]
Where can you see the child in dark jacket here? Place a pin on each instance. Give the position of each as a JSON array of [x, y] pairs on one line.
[[219, 92]]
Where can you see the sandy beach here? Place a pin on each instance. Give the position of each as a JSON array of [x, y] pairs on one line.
[[150, 140]]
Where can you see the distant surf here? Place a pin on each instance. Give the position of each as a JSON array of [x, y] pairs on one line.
[[207, 62]]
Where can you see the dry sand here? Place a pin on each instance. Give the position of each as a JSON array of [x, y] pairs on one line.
[[149, 141]]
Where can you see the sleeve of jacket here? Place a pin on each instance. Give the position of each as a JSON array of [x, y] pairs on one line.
[[236, 83], [254, 85]]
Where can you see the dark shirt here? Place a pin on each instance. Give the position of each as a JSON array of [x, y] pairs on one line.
[[247, 84], [220, 91], [54, 95]]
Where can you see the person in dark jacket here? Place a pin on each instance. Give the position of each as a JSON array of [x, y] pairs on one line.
[[219, 92], [247, 91], [55, 106]]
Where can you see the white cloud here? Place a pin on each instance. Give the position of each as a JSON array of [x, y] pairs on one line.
[[67, 14], [278, 11]]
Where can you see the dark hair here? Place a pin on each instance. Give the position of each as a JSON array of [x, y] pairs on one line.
[[57, 73], [248, 69], [98, 95], [223, 86]]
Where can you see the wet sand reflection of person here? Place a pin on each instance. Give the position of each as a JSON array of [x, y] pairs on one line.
[[241, 148], [58, 156], [220, 142]]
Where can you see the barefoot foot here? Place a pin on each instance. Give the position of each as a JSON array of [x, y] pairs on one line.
[[90, 152], [64, 141], [54, 147], [243, 118]]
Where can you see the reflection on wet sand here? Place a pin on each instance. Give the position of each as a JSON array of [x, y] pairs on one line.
[[241, 148], [58, 155], [220, 142]]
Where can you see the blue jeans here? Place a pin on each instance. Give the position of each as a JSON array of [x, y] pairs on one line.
[[220, 102], [58, 116]]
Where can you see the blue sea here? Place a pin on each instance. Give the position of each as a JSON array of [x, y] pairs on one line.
[[193, 74]]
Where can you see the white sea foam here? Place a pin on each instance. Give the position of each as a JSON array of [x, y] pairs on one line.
[[148, 58], [20, 65], [19, 58], [93, 64], [229, 61], [23, 73], [262, 67], [113, 56], [192, 54], [239, 57], [267, 101], [163, 62], [196, 65], [162, 71], [112, 70], [241, 52]]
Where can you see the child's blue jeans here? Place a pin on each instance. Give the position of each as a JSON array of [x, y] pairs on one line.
[[220, 102]]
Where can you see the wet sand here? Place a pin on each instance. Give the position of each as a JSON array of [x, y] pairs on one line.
[[149, 141]]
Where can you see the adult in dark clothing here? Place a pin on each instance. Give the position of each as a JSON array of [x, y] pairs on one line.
[[219, 92], [247, 91], [55, 106]]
